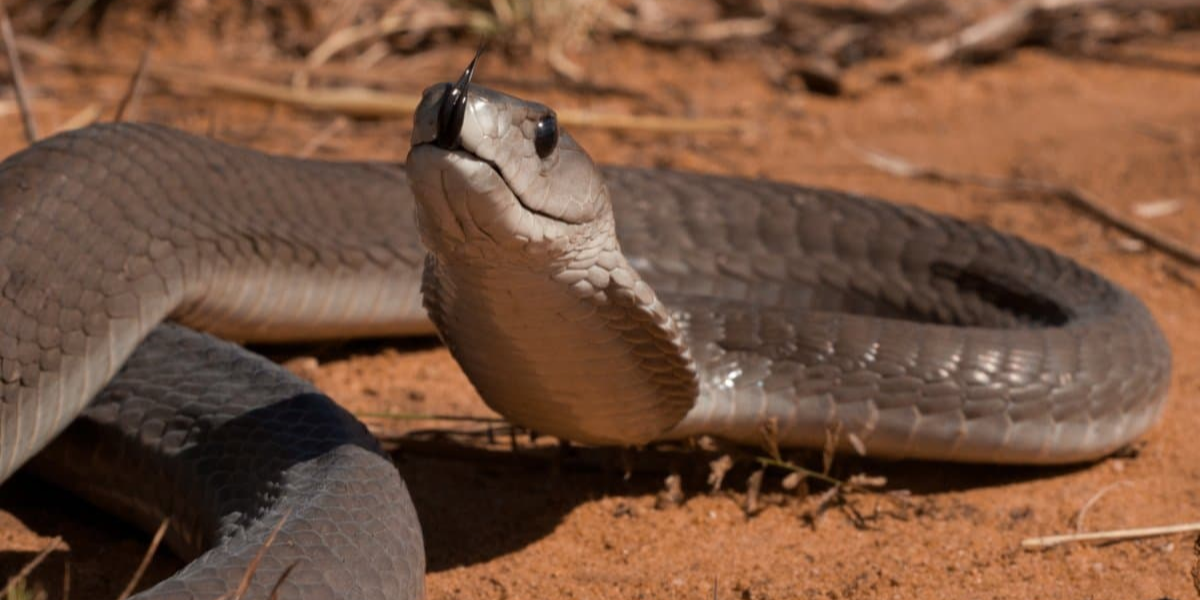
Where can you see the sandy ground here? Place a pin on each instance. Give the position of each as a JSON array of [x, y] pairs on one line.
[[540, 524]]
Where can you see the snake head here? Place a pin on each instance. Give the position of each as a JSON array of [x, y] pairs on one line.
[[489, 168], [525, 280]]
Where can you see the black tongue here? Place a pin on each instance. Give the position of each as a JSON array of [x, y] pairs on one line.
[[454, 108]]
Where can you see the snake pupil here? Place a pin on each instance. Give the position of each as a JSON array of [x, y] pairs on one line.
[[545, 138]]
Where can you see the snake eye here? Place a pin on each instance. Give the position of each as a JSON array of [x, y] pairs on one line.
[[545, 138]]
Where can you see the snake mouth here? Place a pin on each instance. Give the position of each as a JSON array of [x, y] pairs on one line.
[[466, 155]]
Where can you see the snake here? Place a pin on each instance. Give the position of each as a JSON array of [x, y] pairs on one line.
[[603, 305]]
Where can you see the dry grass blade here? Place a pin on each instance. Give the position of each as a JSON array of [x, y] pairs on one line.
[[1116, 535], [1196, 567], [731, 29], [362, 102], [146, 558], [356, 102], [135, 84], [18, 76], [75, 11], [1082, 514], [390, 24], [1005, 29], [275, 589], [322, 137], [1031, 20], [86, 116], [795, 468], [649, 123], [369, 103], [1074, 196], [248, 576], [429, 417], [703, 33], [15, 580]]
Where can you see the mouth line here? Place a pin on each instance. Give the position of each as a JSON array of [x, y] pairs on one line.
[[500, 173]]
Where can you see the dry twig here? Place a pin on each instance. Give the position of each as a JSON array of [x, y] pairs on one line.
[[1196, 567], [86, 116], [1074, 196], [322, 137], [871, 11], [1079, 516], [369, 103], [429, 417], [717, 470], [395, 21], [30, 566], [279, 582], [674, 34], [753, 492], [141, 569], [18, 75], [1116, 535], [71, 15], [135, 84], [248, 576], [1033, 20]]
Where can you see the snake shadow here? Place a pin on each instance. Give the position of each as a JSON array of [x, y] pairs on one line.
[[477, 504], [474, 504], [99, 552]]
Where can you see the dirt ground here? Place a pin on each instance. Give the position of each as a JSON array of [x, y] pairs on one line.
[[539, 523]]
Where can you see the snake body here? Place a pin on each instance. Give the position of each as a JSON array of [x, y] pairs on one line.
[[728, 307]]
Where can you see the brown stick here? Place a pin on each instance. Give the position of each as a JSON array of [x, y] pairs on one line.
[[30, 566], [18, 76], [66, 582], [703, 33], [1010, 28], [135, 83], [279, 582], [364, 102], [1196, 566], [248, 576], [1082, 514], [1117, 535], [146, 558], [86, 116], [390, 24], [322, 137], [1072, 195]]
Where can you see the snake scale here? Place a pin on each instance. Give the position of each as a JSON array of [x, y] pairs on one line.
[[726, 304]]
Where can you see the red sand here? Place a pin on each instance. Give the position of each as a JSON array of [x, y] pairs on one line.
[[498, 526]]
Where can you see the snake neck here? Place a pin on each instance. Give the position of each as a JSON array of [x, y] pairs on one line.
[[578, 346]]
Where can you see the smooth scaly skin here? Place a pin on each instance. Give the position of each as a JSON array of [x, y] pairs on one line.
[[780, 299], [225, 444], [106, 231], [807, 311]]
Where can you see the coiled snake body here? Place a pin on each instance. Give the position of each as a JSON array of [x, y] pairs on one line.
[[725, 305]]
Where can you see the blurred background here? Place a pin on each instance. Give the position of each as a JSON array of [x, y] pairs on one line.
[[1075, 123]]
